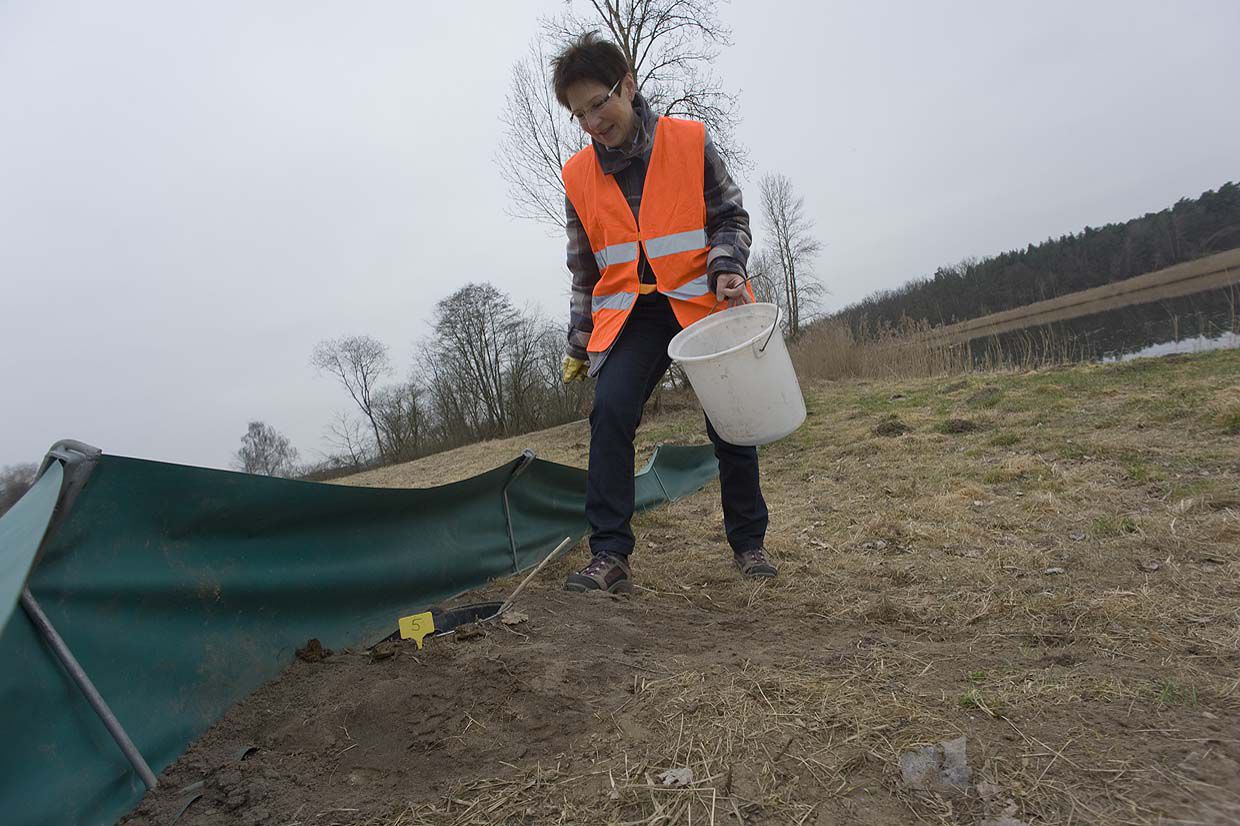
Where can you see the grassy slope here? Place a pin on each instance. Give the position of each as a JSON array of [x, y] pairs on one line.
[[1046, 562]]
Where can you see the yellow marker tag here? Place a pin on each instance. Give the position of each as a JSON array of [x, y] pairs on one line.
[[416, 627]]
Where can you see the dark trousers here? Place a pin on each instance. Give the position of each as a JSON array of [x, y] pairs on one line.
[[630, 373]]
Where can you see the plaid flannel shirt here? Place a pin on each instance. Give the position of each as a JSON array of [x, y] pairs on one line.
[[727, 226]]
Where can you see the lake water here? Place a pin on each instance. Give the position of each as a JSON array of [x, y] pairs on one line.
[[1190, 324], [1196, 344]]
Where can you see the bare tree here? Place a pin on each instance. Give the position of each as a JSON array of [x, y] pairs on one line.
[[491, 369], [402, 418], [348, 436], [564, 402], [670, 44], [15, 480], [528, 393], [538, 139], [453, 414], [475, 338], [264, 450], [765, 277], [358, 363], [792, 247]]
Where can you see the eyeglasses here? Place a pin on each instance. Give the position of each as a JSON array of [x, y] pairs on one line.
[[593, 109]]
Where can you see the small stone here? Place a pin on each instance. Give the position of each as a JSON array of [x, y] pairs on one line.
[[1150, 567], [677, 777], [956, 762], [1054, 571], [1005, 818], [1076, 536], [988, 790], [256, 816], [227, 780], [941, 767], [514, 617]]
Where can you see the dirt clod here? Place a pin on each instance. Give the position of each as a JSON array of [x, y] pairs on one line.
[[954, 426], [382, 651], [986, 397], [313, 651], [472, 631]]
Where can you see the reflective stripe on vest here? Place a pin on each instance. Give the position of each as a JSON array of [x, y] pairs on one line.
[[615, 301], [616, 254], [694, 289], [694, 239]]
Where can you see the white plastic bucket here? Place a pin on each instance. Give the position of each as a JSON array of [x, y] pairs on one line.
[[739, 367]]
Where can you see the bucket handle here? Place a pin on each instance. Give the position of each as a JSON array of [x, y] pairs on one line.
[[748, 279], [760, 351]]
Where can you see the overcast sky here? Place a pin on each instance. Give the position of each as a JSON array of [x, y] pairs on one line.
[[193, 194]]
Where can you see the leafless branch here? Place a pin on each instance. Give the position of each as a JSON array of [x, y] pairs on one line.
[[670, 44], [792, 249]]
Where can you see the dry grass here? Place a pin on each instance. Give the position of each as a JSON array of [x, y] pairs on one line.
[[1060, 583], [829, 350]]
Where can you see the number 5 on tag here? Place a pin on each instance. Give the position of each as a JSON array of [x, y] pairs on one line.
[[416, 627]]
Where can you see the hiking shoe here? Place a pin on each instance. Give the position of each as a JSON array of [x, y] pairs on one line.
[[754, 563], [606, 572]]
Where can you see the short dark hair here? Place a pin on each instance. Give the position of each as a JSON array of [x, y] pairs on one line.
[[589, 57]]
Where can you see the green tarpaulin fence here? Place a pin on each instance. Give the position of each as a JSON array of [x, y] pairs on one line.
[[181, 590]]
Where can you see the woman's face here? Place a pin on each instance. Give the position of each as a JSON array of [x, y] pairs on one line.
[[604, 113]]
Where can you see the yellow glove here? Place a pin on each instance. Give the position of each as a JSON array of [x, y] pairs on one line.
[[575, 369]]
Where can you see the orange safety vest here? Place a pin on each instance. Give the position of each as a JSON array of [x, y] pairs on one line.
[[672, 231]]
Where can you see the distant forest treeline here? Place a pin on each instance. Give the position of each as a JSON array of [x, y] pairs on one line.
[[974, 288]]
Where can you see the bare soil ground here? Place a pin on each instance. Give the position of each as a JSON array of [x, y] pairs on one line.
[[1047, 564]]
